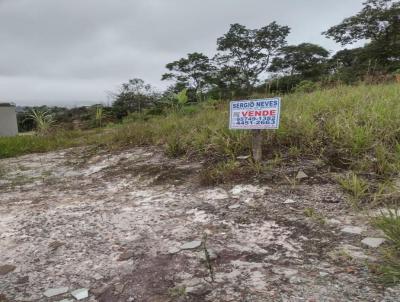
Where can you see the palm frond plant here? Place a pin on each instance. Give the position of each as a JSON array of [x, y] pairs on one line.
[[43, 120]]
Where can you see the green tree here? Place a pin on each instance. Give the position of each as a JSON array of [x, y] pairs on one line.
[[378, 23], [193, 72], [250, 51], [134, 96], [306, 59]]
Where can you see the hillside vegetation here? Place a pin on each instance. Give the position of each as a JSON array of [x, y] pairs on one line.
[[353, 127], [356, 127]]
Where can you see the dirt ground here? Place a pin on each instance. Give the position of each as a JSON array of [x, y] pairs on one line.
[[117, 224]]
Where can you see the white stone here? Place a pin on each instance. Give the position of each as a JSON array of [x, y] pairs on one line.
[[352, 230], [246, 189], [290, 201], [334, 221], [191, 245], [235, 206], [55, 291], [173, 250], [97, 276], [67, 300], [373, 242], [323, 274], [80, 294], [301, 175]]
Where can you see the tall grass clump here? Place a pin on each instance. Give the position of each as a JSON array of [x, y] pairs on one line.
[[389, 223]]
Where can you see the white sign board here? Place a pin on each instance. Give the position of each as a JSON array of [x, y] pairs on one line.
[[255, 114]]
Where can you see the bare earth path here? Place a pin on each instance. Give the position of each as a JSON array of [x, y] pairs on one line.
[[116, 224]]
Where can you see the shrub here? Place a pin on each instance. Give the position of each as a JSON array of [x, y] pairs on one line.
[[306, 87]]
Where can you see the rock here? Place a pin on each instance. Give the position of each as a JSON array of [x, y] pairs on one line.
[[288, 273], [198, 290], [97, 277], [67, 300], [289, 201], [235, 206], [244, 157], [352, 230], [212, 254], [301, 175], [55, 245], [173, 250], [5, 269], [55, 291], [323, 274], [22, 280], [80, 294], [295, 280], [126, 256], [334, 221], [373, 242], [191, 245]]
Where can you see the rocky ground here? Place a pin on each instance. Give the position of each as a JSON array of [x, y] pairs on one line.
[[136, 226]]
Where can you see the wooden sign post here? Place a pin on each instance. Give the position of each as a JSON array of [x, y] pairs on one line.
[[257, 145], [255, 115]]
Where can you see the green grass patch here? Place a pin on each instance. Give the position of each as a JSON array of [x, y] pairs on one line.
[[25, 144], [389, 223]]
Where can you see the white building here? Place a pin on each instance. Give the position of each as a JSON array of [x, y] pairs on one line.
[[8, 120]]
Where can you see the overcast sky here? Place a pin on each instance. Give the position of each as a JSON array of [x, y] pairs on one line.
[[71, 52]]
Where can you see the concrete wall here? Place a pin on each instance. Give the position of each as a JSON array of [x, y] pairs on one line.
[[8, 121]]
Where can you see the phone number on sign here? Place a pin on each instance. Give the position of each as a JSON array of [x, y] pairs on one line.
[[265, 120]]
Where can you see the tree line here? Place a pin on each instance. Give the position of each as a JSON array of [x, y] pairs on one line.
[[250, 61]]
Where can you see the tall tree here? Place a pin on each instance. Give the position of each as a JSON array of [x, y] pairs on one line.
[[378, 23], [250, 51], [306, 59], [193, 72]]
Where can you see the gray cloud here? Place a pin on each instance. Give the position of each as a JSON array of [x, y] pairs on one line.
[[70, 52]]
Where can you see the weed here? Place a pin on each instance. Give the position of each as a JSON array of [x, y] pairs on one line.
[[177, 292], [385, 193], [221, 172], [207, 258], [314, 215], [3, 171], [389, 223], [356, 187]]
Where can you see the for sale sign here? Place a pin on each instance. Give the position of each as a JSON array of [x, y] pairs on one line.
[[255, 114]]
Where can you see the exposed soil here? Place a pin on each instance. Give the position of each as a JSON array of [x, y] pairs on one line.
[[114, 223]]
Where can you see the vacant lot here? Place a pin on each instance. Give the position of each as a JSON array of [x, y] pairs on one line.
[[117, 224]]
